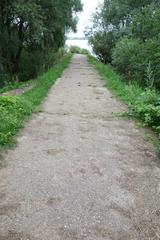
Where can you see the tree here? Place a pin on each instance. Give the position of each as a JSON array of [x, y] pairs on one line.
[[34, 28], [126, 33]]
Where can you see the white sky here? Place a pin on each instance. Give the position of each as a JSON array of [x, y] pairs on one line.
[[89, 7]]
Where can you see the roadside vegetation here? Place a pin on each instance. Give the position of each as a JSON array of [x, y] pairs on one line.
[[143, 104], [14, 110], [32, 39], [16, 85], [31, 36], [125, 36], [77, 50]]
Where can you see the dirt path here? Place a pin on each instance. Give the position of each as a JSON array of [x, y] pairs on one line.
[[79, 172]]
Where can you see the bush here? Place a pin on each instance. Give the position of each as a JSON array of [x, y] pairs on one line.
[[75, 49], [147, 108], [124, 53], [138, 61], [102, 44], [12, 111], [85, 51], [33, 65], [30, 65], [78, 50]]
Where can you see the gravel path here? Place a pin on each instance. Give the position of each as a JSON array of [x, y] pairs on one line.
[[79, 171]]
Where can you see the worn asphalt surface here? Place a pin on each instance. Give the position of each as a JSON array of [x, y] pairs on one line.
[[80, 171]]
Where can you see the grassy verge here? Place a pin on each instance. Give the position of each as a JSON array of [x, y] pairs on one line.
[[14, 110], [16, 85], [143, 104]]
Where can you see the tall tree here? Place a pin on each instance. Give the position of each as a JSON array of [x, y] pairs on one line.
[[27, 27]]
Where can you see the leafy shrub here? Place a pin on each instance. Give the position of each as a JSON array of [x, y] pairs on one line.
[[33, 65], [13, 103], [12, 111], [78, 50], [138, 61], [145, 23], [75, 49], [147, 108], [85, 51], [124, 53], [102, 44]]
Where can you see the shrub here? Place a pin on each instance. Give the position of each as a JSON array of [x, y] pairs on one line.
[[12, 111], [75, 49], [102, 44], [85, 51], [123, 54], [147, 108], [138, 61], [78, 50]]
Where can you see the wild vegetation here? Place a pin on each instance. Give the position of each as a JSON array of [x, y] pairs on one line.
[[31, 33], [32, 38], [77, 50], [14, 110], [142, 104], [125, 36]]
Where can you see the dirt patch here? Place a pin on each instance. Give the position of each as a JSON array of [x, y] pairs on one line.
[[8, 208], [15, 236]]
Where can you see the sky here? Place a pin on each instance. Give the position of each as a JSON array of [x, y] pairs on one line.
[[89, 7]]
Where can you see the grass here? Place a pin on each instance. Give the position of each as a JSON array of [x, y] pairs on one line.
[[15, 110], [128, 93], [16, 85], [143, 104]]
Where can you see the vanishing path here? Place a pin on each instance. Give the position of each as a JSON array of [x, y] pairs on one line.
[[79, 171]]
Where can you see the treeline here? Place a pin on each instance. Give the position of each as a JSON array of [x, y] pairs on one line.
[[31, 33], [126, 34]]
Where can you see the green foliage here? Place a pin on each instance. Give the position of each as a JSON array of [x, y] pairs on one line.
[[75, 49], [14, 110], [85, 51], [78, 50], [31, 32], [15, 85], [149, 76], [102, 44], [138, 60], [147, 108], [123, 54], [126, 33], [145, 23]]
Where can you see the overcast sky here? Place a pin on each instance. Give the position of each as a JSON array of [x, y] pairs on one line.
[[88, 8]]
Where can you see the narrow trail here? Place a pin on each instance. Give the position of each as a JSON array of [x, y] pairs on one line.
[[80, 172]]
